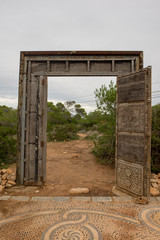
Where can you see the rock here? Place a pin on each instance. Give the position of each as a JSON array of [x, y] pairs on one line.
[[11, 178], [140, 200], [154, 185], [78, 190], [4, 176], [152, 180], [37, 191], [158, 176], [0, 180], [3, 171], [9, 171], [1, 188], [4, 182], [154, 176], [12, 183], [8, 185], [74, 155], [154, 191]]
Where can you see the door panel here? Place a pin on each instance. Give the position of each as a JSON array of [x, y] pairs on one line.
[[133, 133]]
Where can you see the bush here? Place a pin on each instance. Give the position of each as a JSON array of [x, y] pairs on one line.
[[63, 132], [7, 150], [8, 133], [155, 139]]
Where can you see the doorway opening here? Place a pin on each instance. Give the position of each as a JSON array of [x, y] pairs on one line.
[[70, 162]]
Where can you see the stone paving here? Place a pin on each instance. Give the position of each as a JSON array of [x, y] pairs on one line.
[[77, 218]]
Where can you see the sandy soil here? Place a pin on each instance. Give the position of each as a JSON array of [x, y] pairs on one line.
[[72, 165]]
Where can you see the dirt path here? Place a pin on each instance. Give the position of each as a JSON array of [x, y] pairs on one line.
[[72, 165]]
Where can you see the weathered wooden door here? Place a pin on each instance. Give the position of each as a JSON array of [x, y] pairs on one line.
[[36, 119], [133, 133]]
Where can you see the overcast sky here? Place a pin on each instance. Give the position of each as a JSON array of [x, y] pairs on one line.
[[34, 25]]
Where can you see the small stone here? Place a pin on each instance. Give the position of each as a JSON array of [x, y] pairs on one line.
[[140, 200], [3, 171], [1, 188], [9, 171], [37, 191], [154, 185], [78, 190], [11, 177], [158, 175], [154, 191], [12, 183], [0, 180], [4, 176], [8, 185], [74, 155], [154, 176], [154, 180], [4, 182]]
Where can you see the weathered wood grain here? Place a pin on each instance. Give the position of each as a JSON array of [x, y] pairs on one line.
[[132, 92], [131, 147], [131, 118]]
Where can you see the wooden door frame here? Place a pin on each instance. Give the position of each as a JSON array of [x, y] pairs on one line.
[[64, 63]]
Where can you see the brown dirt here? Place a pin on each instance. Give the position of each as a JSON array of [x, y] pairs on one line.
[[72, 165]]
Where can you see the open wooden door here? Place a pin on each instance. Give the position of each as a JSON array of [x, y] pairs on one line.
[[133, 133]]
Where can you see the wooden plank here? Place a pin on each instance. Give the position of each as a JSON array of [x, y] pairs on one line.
[[44, 128], [27, 121], [39, 66], [131, 78], [113, 66], [131, 117], [101, 66], [40, 127], [131, 147], [32, 138], [132, 92], [123, 66], [32, 156]]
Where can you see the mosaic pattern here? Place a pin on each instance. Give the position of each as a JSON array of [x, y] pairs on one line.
[[130, 177], [82, 221], [151, 218]]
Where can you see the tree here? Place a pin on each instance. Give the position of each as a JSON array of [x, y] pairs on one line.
[[106, 99], [105, 143]]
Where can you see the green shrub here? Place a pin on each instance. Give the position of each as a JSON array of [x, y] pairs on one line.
[[8, 133], [7, 150], [63, 132], [155, 139]]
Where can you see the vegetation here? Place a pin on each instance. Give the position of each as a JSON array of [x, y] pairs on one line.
[[64, 121], [155, 141], [105, 142], [8, 131]]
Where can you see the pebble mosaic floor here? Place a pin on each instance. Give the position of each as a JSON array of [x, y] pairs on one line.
[[78, 220]]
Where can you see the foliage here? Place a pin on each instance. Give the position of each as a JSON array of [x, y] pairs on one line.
[[63, 132], [155, 139], [62, 122], [8, 129], [104, 144]]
